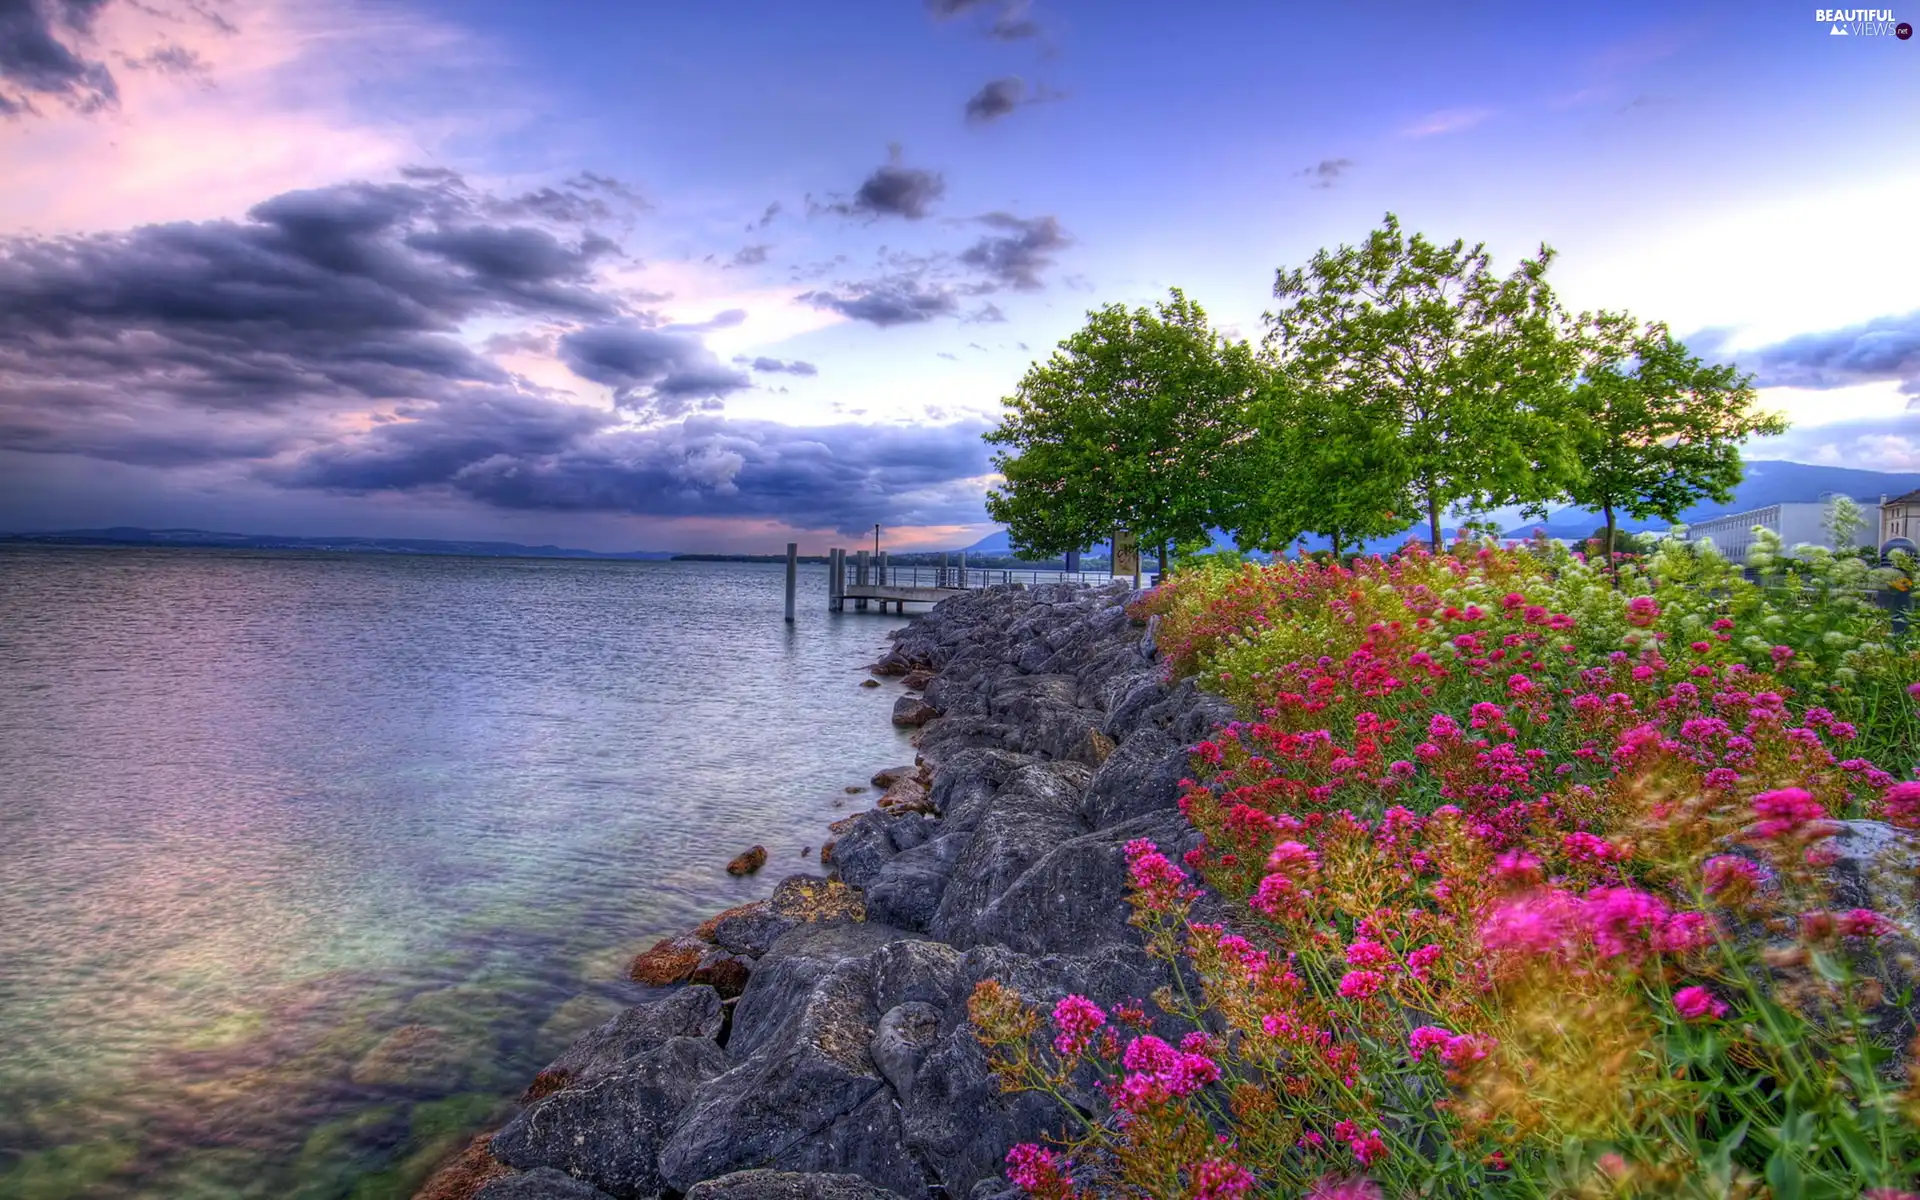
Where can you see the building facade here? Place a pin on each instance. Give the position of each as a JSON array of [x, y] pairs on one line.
[[1798, 524], [1900, 518]]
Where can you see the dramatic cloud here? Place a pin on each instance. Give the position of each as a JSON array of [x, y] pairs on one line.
[[197, 341], [996, 98], [1010, 22], [894, 190], [778, 366], [1326, 171], [37, 56], [899, 300], [546, 456], [1889, 443], [1880, 350], [653, 372], [1016, 257], [749, 256]]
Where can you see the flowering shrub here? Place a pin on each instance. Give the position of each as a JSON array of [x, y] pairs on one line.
[[1526, 894]]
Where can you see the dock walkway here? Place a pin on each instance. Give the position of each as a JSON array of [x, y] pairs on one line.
[[866, 580]]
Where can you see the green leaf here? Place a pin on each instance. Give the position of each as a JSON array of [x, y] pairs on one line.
[[1783, 1175]]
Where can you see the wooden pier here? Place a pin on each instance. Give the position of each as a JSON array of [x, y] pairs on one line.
[[869, 580]]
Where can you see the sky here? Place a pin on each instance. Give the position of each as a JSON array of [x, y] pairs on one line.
[[654, 275]]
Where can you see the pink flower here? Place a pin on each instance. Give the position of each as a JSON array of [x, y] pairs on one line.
[[1037, 1170], [1425, 1038], [1642, 611], [1900, 804], [1864, 923], [1217, 1180], [1586, 847], [1160, 884], [1623, 921], [1517, 868], [1732, 879], [1466, 1048], [1421, 961], [1788, 813], [1361, 985], [1697, 1003], [1366, 953], [1076, 1018], [1536, 923], [1293, 860]]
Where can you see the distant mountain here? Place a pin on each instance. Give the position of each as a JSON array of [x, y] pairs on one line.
[[1768, 481], [123, 535]]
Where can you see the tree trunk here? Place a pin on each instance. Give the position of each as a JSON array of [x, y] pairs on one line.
[[1163, 561], [1433, 521], [1336, 545], [1607, 508]]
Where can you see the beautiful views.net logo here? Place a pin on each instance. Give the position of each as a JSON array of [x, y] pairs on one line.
[[1862, 22]]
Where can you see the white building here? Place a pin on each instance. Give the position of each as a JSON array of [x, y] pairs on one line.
[[1801, 524]]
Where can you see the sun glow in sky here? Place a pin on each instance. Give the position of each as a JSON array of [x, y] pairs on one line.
[[713, 277]]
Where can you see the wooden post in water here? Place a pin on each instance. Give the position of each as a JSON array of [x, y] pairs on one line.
[[860, 577], [793, 576], [941, 579], [963, 568], [881, 579], [833, 579]]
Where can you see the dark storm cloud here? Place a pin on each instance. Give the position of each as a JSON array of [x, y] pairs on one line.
[[995, 99], [843, 477], [1885, 348], [1016, 256], [653, 372], [38, 56], [1327, 171], [168, 60], [898, 300], [779, 366], [241, 339], [1010, 21], [894, 190]]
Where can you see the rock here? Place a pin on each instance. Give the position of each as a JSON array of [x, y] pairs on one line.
[[1037, 810], [748, 861], [806, 1095], [725, 973], [788, 1185], [892, 775], [826, 853], [541, 1183], [901, 1041], [809, 898], [906, 890], [869, 683], [752, 932], [462, 1177], [891, 664], [1150, 640], [609, 1132], [911, 712], [915, 681], [907, 795], [672, 960], [1142, 776], [690, 1012], [854, 789], [412, 1056]]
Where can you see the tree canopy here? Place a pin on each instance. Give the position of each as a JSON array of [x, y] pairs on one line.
[[1126, 426], [1653, 429]]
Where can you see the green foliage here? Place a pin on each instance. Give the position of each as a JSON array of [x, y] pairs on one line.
[[1126, 426], [1654, 430], [1448, 373], [1844, 523]]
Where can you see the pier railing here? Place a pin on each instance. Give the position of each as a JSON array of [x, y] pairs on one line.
[[881, 574]]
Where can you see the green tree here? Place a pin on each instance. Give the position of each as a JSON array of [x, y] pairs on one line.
[[1843, 522], [1454, 367], [1655, 430], [1313, 462], [1126, 426]]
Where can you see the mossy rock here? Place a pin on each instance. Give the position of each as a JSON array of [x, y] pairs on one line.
[[63, 1171], [413, 1056], [433, 1121]]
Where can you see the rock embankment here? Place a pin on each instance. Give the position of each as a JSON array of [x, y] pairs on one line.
[[846, 1066]]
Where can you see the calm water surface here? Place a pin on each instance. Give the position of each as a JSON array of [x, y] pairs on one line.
[[309, 861]]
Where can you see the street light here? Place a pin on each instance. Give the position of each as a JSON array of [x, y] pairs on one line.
[[876, 539]]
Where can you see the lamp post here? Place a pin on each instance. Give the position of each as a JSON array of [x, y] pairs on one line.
[[876, 539]]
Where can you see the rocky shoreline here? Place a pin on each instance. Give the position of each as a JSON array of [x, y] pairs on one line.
[[815, 1045]]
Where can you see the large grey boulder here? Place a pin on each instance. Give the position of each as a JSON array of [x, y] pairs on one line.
[[788, 1185], [906, 891], [691, 1012], [901, 1041], [1141, 777], [1036, 810], [541, 1183], [805, 1093], [608, 1131]]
